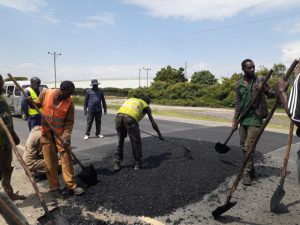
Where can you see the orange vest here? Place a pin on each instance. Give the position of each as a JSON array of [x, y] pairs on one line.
[[56, 116]]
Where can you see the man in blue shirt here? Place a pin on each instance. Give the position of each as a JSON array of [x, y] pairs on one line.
[[93, 108]]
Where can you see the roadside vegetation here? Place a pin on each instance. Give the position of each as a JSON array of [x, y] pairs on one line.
[[170, 87]]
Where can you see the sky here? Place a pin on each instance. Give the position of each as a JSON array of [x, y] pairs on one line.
[[115, 38]]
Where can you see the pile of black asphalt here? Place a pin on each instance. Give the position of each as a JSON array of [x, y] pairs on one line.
[[168, 180]]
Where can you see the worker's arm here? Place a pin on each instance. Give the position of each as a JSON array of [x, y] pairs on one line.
[[281, 88], [68, 127], [103, 102], [154, 125], [86, 101]]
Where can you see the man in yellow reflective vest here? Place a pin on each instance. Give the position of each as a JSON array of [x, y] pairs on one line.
[[29, 113], [58, 109], [127, 121]]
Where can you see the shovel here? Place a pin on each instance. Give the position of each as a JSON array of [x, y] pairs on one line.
[[187, 151], [223, 148], [228, 205], [279, 192], [88, 174], [55, 220]]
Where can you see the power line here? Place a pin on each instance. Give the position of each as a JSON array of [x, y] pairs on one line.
[[183, 35]]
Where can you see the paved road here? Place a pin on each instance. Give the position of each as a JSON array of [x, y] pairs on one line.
[[270, 140]]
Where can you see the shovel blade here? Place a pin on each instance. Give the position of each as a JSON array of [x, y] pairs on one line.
[[221, 148], [89, 175], [276, 198], [222, 209]]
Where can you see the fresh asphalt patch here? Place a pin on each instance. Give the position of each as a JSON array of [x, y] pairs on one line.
[[168, 180]]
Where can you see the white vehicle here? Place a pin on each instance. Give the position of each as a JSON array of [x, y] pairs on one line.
[[13, 95]]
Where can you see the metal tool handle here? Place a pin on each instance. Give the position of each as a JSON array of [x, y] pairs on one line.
[[48, 123]]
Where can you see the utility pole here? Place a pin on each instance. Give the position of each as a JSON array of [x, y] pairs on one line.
[[185, 70], [140, 69], [55, 54], [147, 69]]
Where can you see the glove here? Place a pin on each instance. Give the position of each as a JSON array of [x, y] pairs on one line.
[[105, 111], [85, 112], [66, 143]]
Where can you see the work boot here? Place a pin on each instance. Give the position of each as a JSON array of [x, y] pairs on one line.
[[70, 192], [117, 167], [247, 179], [15, 196]]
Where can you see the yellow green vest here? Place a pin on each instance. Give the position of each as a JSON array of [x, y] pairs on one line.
[[134, 107], [33, 95]]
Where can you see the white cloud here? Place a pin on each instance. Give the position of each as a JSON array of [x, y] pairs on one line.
[[30, 6], [105, 18], [290, 51], [206, 9], [34, 8]]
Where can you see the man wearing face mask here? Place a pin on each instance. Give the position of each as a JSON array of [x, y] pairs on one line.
[[32, 116], [246, 88], [93, 108]]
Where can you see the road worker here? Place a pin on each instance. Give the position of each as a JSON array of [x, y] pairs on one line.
[[127, 122], [58, 108]]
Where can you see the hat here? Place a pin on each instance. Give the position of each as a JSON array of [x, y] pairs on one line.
[[93, 82]]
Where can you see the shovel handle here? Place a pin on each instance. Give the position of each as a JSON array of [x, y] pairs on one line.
[[48, 123], [28, 173], [288, 150], [10, 214], [263, 126]]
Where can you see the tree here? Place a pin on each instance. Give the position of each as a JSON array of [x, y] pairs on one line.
[[204, 77], [279, 70], [170, 75], [262, 71]]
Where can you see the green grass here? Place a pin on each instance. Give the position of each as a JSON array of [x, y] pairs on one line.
[[194, 115]]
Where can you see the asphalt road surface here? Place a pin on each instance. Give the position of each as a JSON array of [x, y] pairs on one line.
[[269, 141], [168, 181]]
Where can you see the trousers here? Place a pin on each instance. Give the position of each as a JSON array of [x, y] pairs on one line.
[[247, 137], [6, 168], [91, 116], [50, 146], [126, 124]]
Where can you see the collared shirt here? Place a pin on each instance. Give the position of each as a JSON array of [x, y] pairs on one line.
[[93, 99]]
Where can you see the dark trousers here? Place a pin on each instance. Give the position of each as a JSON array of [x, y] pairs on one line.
[[91, 116], [125, 124], [34, 120]]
